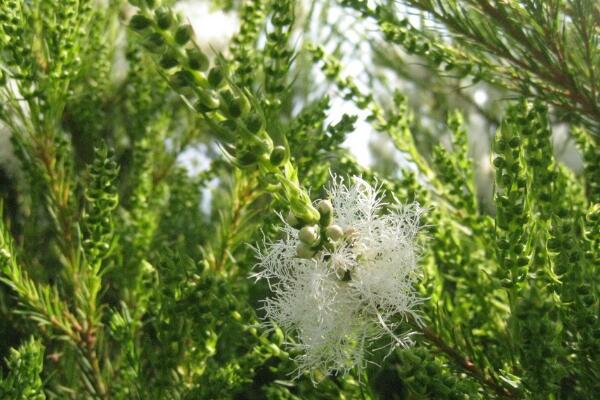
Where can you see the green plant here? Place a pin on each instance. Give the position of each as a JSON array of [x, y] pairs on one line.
[[127, 274]]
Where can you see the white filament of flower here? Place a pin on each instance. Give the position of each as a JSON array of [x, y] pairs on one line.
[[354, 291]]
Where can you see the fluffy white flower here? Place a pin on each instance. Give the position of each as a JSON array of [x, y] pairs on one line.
[[355, 290]]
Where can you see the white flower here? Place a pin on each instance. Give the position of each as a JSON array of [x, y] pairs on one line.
[[354, 290]]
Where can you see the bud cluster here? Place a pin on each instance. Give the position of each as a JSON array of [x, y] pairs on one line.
[[325, 234], [101, 199], [233, 113], [243, 44], [278, 56], [510, 198]]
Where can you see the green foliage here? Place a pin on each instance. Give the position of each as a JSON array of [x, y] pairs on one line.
[[124, 268], [25, 366]]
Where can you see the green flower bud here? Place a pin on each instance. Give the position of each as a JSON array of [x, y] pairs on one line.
[[232, 103], [183, 34], [334, 232], [522, 261], [154, 41], [277, 155], [168, 60], [253, 123], [207, 101], [139, 22], [197, 60], [229, 124], [560, 269], [325, 209], [588, 300], [215, 77], [514, 142], [583, 289], [248, 158], [304, 251], [503, 244], [164, 18], [499, 162], [182, 78], [225, 130], [309, 235], [501, 145]]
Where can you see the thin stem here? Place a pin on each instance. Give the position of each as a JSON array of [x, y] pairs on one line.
[[463, 361]]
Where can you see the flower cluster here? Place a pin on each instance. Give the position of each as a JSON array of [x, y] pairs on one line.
[[340, 288]]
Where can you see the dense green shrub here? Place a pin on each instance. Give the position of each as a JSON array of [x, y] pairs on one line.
[[126, 274]]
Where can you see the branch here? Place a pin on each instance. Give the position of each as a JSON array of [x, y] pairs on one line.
[[464, 362]]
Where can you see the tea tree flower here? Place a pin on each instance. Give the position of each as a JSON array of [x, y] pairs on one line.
[[338, 289]]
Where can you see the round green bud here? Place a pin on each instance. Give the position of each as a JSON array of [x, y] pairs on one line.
[[215, 77], [583, 289], [154, 41], [309, 234], [139, 22], [304, 251], [182, 78], [164, 18], [514, 142], [499, 162], [501, 144], [236, 316], [588, 300], [560, 268], [503, 244], [197, 60], [325, 209], [231, 103], [168, 60], [207, 101], [277, 155], [234, 108], [229, 124], [183, 34], [226, 130], [203, 108], [248, 158], [334, 232], [522, 261], [253, 123]]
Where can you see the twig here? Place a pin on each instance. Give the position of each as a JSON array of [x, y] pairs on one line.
[[464, 362]]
